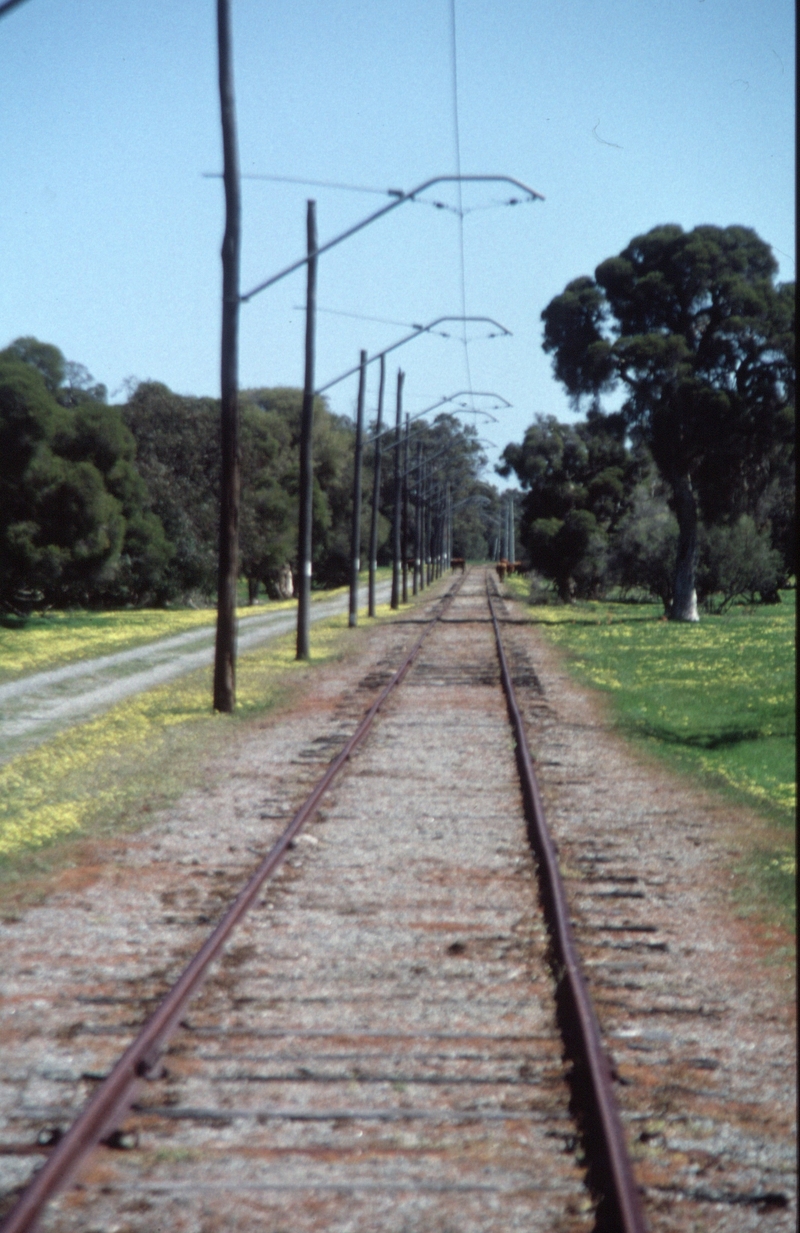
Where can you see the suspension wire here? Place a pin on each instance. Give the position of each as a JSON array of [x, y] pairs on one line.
[[409, 325], [457, 140], [350, 188], [340, 312]]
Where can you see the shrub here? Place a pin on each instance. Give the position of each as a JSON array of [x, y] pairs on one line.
[[736, 562]]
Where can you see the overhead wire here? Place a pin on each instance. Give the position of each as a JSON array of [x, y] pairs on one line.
[[341, 312], [457, 141], [349, 188]]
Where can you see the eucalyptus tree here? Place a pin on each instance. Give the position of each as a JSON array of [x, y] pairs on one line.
[[695, 331], [76, 521]]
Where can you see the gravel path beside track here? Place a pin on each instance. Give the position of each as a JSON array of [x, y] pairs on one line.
[[34, 708]]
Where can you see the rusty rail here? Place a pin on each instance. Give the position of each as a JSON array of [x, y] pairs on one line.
[[610, 1173], [109, 1104]]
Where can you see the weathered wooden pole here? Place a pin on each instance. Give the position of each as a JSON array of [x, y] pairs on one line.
[[425, 495], [429, 490], [512, 546], [306, 431], [355, 536], [417, 519], [405, 510], [397, 487], [228, 562], [376, 495]]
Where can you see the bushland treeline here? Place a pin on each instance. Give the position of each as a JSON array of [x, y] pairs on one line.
[[596, 516], [109, 505]]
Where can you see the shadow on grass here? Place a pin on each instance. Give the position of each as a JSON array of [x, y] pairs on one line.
[[600, 621], [9, 621], [720, 739]]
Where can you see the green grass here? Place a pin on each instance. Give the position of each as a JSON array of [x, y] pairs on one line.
[[51, 639], [715, 699], [115, 770]]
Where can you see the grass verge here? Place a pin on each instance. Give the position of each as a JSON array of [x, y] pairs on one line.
[[716, 700], [50, 639], [116, 770]]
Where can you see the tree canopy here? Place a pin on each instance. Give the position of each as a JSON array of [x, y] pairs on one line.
[[103, 504], [75, 521], [578, 481], [698, 335]]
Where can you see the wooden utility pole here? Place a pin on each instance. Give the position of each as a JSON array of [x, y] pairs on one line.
[[397, 492], [306, 431], [228, 566], [423, 514], [405, 510], [418, 520], [355, 536], [512, 551], [376, 495]]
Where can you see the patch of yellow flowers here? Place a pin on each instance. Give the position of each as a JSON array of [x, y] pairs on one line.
[[771, 793], [691, 677], [63, 637], [96, 770]]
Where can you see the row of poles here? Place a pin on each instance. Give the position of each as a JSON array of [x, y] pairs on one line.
[[504, 547], [413, 483], [411, 480], [232, 298]]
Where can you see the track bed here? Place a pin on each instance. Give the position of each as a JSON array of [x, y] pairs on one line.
[[379, 1047]]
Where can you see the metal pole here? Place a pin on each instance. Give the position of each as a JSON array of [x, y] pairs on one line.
[[405, 512], [228, 563], [376, 495], [306, 429], [355, 538], [397, 487]]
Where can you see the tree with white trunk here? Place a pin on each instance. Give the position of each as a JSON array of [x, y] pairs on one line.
[[699, 336]]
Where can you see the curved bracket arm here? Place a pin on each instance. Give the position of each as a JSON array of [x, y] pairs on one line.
[[532, 195], [418, 329]]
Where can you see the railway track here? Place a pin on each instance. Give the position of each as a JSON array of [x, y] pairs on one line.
[[381, 1042]]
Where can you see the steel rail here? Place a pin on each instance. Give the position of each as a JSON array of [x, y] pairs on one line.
[[109, 1104], [620, 1210]]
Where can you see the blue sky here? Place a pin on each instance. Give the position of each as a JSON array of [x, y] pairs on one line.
[[623, 113]]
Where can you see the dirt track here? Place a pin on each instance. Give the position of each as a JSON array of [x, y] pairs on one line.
[[34, 708]]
